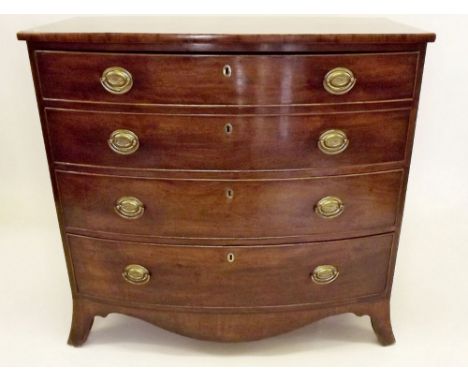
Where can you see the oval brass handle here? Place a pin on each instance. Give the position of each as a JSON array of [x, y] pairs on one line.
[[117, 80], [324, 274], [329, 207], [129, 207], [123, 142], [333, 142], [136, 274], [339, 81]]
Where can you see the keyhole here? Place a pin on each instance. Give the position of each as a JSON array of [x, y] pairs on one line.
[[228, 128], [230, 257], [227, 71], [229, 193]]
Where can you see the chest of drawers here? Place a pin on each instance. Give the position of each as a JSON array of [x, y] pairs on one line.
[[228, 178]]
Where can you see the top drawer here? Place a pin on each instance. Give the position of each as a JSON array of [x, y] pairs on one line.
[[227, 79]]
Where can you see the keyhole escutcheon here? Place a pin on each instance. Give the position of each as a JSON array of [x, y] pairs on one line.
[[228, 128], [229, 193], [227, 71]]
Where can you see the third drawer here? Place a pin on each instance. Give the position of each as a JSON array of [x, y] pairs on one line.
[[232, 209]]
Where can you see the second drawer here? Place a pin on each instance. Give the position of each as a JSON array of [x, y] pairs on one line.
[[227, 142], [231, 209]]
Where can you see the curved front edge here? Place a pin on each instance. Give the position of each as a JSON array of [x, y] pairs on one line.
[[246, 326]]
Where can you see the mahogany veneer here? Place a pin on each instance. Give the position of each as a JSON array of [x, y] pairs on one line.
[[228, 183]]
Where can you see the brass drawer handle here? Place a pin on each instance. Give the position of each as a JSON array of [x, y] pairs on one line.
[[324, 274], [333, 142], [129, 207], [123, 142], [339, 81], [329, 207], [117, 80], [136, 274]]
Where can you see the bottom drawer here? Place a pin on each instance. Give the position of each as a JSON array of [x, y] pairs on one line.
[[208, 276]]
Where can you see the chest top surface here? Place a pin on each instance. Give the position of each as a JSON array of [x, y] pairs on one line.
[[227, 29]]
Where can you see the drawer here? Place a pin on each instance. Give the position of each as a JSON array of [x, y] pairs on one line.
[[231, 276], [204, 79], [231, 208], [228, 142]]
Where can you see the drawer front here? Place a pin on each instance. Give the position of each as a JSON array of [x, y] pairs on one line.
[[199, 79], [254, 276], [229, 209], [228, 142]]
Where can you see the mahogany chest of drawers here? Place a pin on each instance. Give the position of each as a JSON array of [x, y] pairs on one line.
[[228, 178]]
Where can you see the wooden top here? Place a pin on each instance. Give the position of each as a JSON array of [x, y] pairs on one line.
[[224, 29]]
